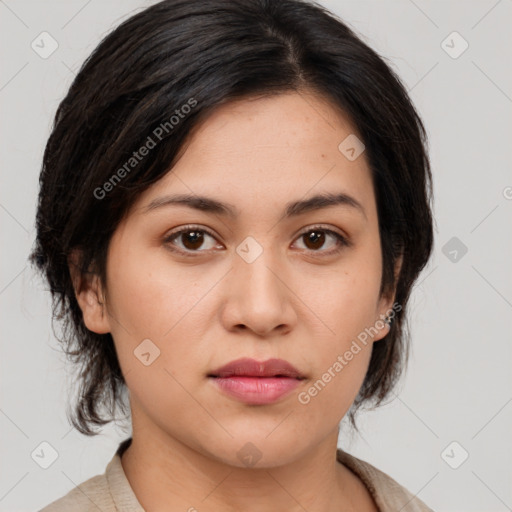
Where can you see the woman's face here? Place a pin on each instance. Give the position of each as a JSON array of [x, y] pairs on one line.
[[268, 280]]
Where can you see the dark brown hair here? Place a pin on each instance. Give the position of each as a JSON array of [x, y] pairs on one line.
[[204, 53]]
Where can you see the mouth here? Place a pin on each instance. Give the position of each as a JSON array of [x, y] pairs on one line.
[[257, 383]]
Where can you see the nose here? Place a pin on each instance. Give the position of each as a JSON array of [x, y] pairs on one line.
[[258, 297]]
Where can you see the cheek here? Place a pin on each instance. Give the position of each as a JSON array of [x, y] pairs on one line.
[[152, 299], [346, 312], [333, 389], [149, 295], [154, 334], [345, 306], [342, 349], [344, 298]]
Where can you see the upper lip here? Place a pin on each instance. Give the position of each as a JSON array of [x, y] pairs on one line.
[[252, 368]]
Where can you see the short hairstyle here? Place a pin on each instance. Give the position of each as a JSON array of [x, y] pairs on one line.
[[158, 75]]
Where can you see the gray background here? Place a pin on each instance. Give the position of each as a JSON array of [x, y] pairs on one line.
[[458, 386]]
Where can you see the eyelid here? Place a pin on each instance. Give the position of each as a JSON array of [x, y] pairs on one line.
[[321, 227], [184, 229], [343, 240]]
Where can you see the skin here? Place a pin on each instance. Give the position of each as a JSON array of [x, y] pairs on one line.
[[294, 302]]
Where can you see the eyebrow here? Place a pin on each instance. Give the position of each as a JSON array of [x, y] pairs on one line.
[[292, 209]]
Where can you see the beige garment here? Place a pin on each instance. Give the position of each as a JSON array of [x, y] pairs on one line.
[[111, 491]]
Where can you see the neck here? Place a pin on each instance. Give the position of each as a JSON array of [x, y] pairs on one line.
[[167, 474]]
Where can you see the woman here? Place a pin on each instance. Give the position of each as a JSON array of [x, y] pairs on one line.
[[234, 206]]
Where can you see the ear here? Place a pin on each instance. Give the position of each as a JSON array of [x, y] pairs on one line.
[[387, 307], [89, 295]]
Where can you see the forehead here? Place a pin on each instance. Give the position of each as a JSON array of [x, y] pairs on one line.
[[262, 152], [286, 124]]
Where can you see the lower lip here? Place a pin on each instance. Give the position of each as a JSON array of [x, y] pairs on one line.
[[256, 390]]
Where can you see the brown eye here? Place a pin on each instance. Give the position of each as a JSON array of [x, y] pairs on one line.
[[192, 240], [315, 239]]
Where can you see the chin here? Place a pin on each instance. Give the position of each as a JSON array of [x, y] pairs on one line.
[[258, 451]]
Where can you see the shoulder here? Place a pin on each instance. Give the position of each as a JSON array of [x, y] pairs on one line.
[[108, 492], [387, 492], [90, 496]]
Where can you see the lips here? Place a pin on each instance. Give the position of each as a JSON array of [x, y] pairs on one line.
[[256, 383], [246, 367]]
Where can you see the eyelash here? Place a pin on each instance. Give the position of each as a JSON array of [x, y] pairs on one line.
[[342, 241]]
